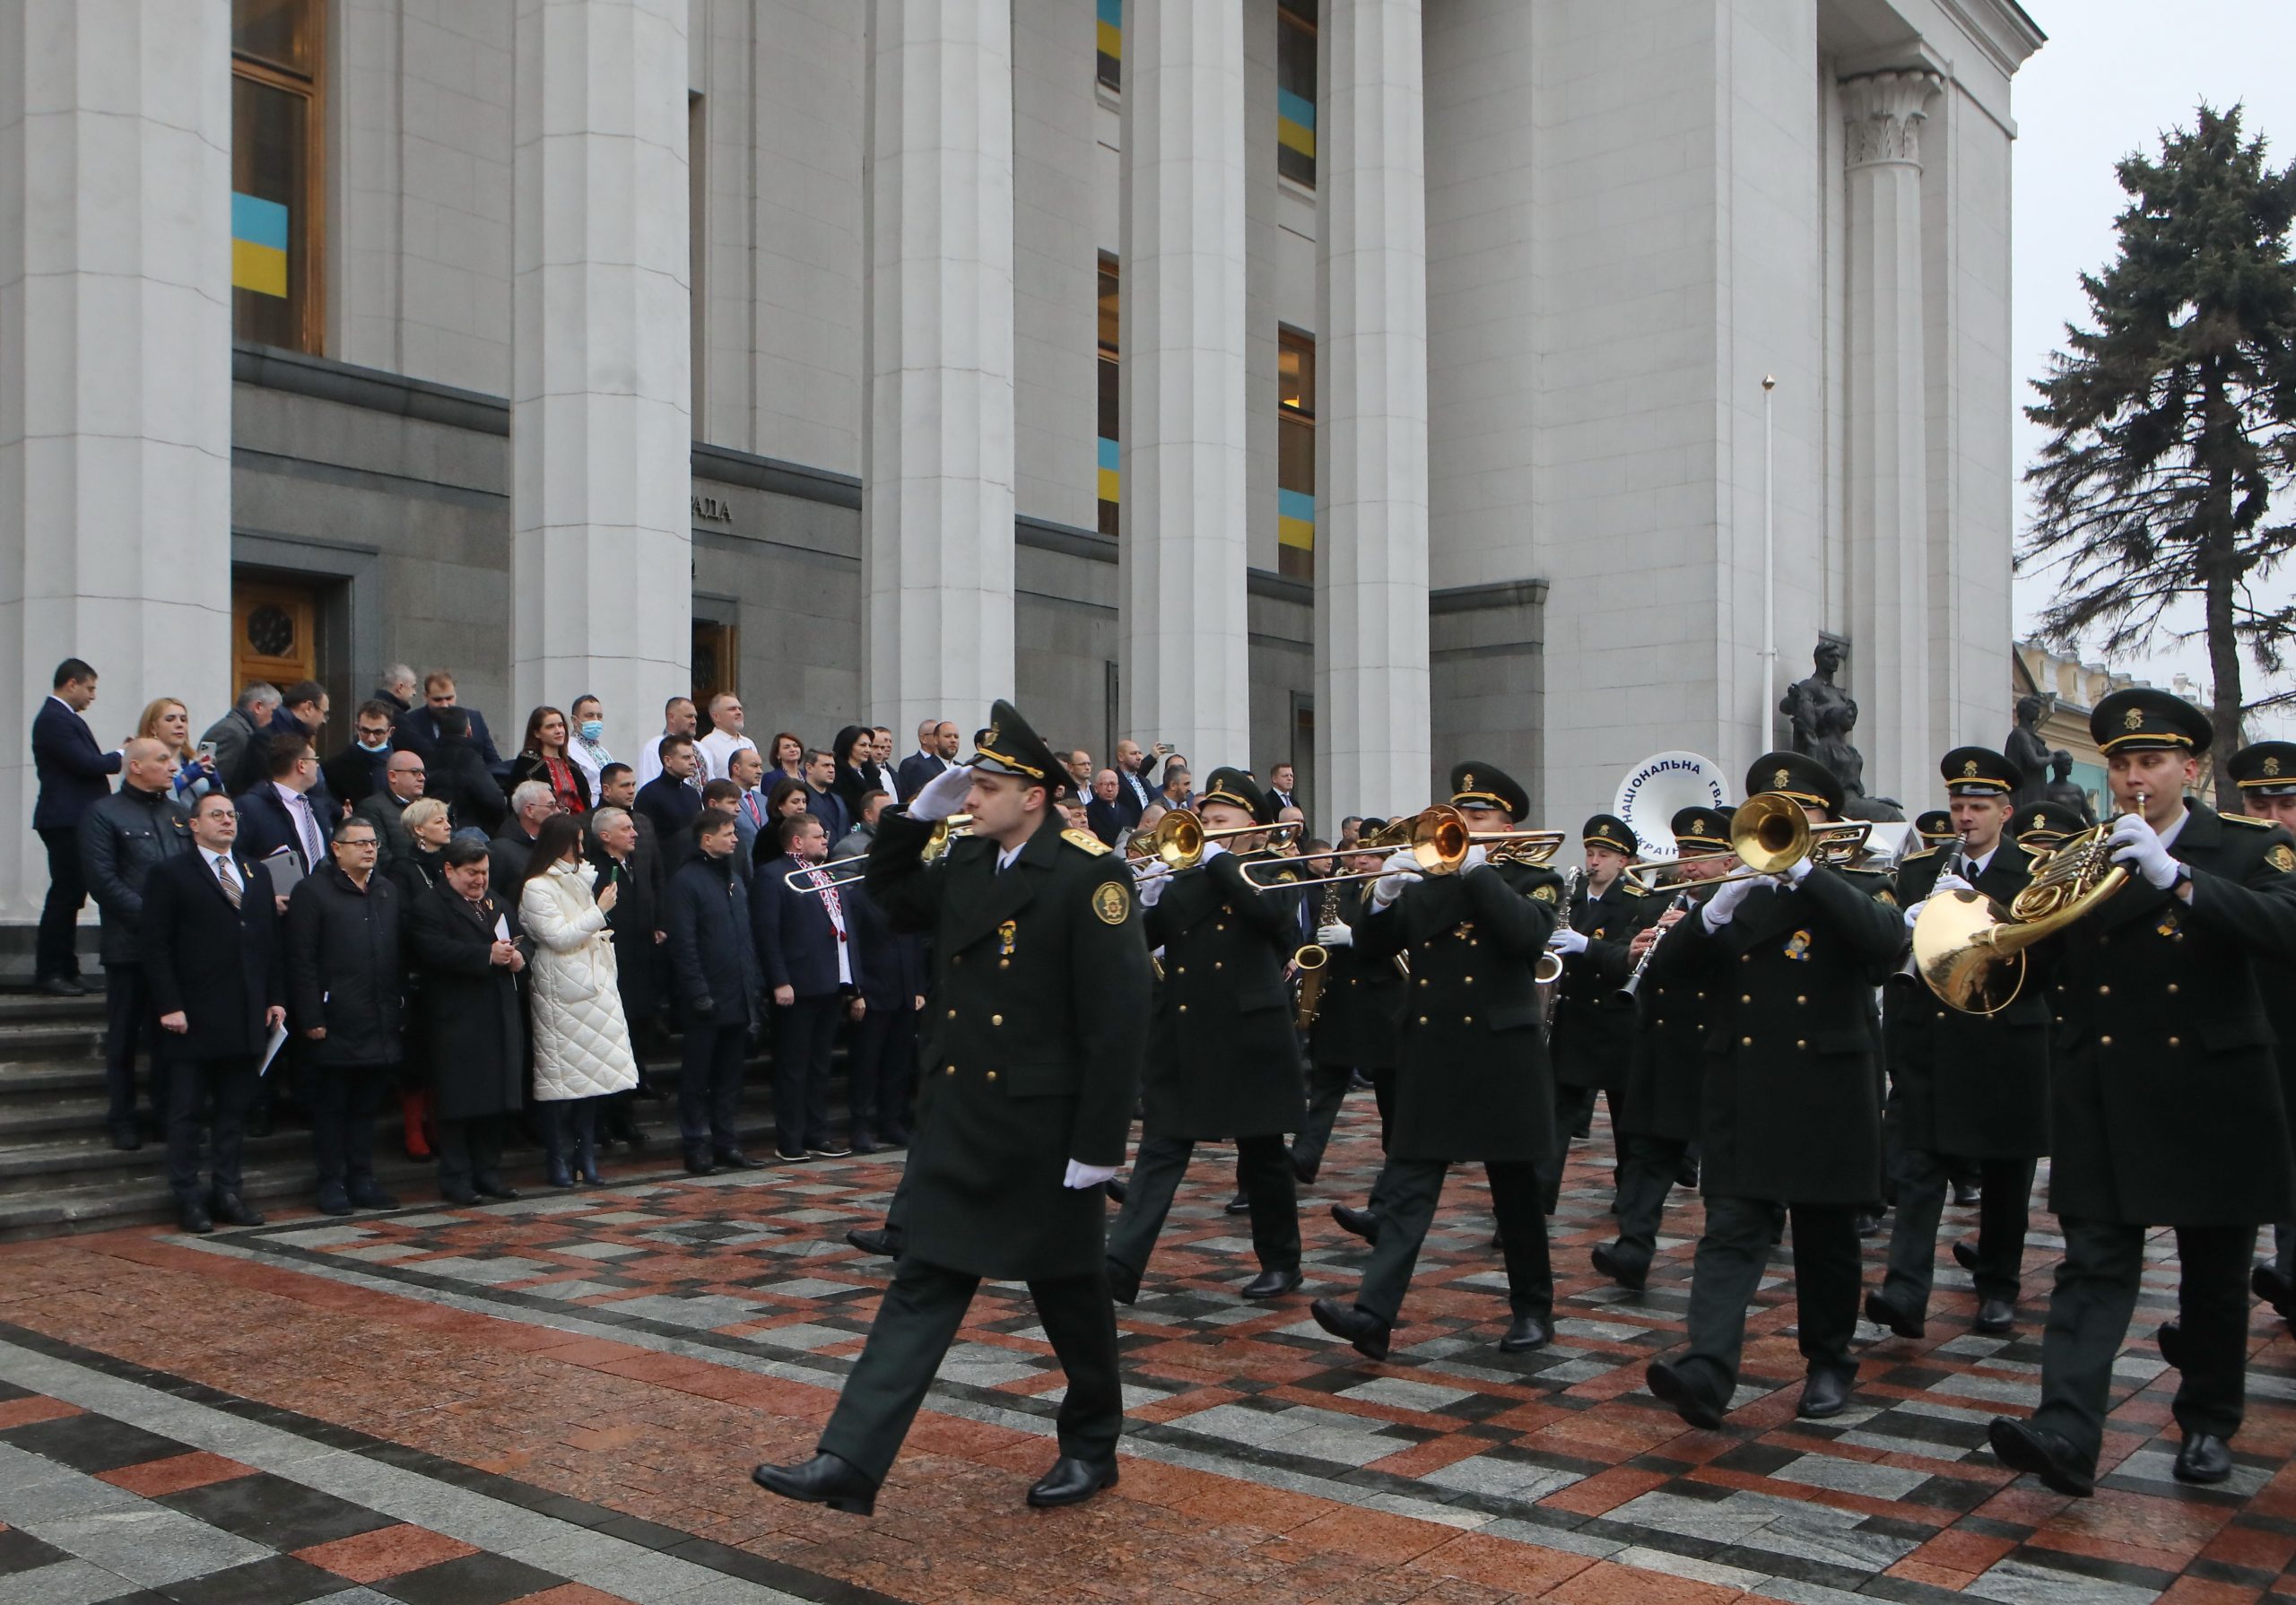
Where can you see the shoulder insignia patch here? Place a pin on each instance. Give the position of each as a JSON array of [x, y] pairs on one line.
[[1886, 896], [1085, 839], [1111, 902], [2250, 819], [2281, 857], [1543, 894]]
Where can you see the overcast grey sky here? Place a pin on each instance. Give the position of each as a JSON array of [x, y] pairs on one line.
[[2114, 74]]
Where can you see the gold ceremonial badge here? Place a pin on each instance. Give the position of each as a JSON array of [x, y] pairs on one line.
[[1110, 902]]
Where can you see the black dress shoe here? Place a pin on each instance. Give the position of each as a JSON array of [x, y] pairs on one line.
[[227, 1208], [1825, 1393], [335, 1204], [865, 1145], [63, 986], [1071, 1482], [2037, 1452], [1116, 1188], [1966, 1194], [1994, 1315], [2205, 1458], [372, 1197], [1362, 1223], [462, 1197], [883, 1241], [491, 1186], [1686, 1175], [1124, 1283], [1241, 1204], [734, 1159], [1882, 1311], [2267, 1283], [823, 1480], [1359, 1327], [1615, 1265], [1687, 1398], [2170, 1340], [192, 1216], [1526, 1333], [126, 1139], [1272, 1284], [1869, 1224], [1965, 1255], [697, 1162]]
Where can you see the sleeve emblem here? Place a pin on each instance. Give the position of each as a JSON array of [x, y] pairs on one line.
[[1543, 894], [2283, 857], [1110, 903]]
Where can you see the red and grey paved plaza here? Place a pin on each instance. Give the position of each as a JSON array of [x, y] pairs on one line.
[[559, 1400]]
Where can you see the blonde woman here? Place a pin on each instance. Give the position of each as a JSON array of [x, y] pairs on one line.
[[581, 1041], [169, 722]]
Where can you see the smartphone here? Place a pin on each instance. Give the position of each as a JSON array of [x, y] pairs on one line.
[[207, 754]]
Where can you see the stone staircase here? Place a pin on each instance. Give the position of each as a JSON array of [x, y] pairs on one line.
[[59, 1173]]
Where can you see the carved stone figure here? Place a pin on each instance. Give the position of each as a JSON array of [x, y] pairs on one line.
[[2030, 754], [2061, 790]]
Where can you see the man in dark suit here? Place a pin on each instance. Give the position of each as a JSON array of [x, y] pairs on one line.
[[455, 773], [71, 770], [356, 773], [279, 813], [508, 853], [1282, 783], [806, 956], [301, 716], [418, 728], [936, 754], [624, 853], [403, 777], [1134, 793], [123, 838], [1105, 811], [672, 800], [712, 971], [210, 939]]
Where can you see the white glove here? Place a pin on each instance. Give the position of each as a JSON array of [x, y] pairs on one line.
[[1567, 941], [1950, 881], [1725, 903], [941, 796], [1913, 913], [1476, 857], [1392, 885], [2134, 843], [1334, 935], [1081, 1175], [1152, 888], [1795, 872], [1211, 850]]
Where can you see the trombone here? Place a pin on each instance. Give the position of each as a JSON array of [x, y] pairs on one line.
[[1436, 842], [1175, 842], [1768, 834], [935, 848]]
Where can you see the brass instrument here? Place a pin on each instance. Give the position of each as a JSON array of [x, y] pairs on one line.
[[1970, 950], [1312, 960], [935, 848], [1435, 843], [1548, 969], [1175, 842], [1768, 834]]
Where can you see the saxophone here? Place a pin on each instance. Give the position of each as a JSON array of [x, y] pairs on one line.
[[1312, 960]]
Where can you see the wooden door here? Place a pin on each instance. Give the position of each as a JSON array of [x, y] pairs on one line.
[[274, 632]]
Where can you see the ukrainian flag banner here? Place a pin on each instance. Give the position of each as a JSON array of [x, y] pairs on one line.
[[258, 245]]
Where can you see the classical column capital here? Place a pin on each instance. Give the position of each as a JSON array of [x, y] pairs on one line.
[[1882, 113]]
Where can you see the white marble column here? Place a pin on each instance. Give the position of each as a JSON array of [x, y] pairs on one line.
[[936, 505], [601, 440], [1187, 666], [1886, 489], [115, 371], [1373, 746]]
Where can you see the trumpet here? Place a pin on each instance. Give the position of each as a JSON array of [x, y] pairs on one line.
[[1436, 843], [1175, 842], [935, 848], [1768, 834]]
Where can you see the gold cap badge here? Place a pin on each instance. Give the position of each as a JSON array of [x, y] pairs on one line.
[[2272, 766], [2134, 719], [1969, 769], [1781, 780]]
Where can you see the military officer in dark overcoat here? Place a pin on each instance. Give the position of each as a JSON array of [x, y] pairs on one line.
[[1589, 1040], [1030, 1067], [1666, 1058], [1792, 1119], [1223, 1060], [1359, 1017], [1971, 1086], [1472, 1078], [2165, 1104], [2265, 774]]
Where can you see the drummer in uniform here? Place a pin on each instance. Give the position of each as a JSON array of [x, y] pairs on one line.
[[1589, 1040], [1472, 1080], [1666, 1060], [1031, 1056], [1791, 1117], [1971, 1086], [2165, 1104]]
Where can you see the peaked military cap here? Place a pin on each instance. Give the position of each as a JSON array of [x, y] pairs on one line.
[[1237, 789], [1798, 776], [1010, 746], [1487, 786], [2046, 824], [1935, 827], [1608, 830], [2265, 768], [1707, 828], [2140, 718], [1979, 772]]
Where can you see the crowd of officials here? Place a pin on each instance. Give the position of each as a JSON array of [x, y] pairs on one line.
[[496, 940]]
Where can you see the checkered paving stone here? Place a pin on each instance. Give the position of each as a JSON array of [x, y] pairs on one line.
[[639, 1346]]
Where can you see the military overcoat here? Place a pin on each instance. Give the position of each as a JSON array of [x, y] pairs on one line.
[[1224, 1060]]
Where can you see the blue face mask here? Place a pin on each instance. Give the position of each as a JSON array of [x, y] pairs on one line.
[[382, 746], [592, 729]]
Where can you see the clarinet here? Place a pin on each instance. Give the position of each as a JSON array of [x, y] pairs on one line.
[[1624, 994]]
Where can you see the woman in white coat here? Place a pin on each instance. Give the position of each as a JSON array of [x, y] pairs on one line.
[[581, 1041]]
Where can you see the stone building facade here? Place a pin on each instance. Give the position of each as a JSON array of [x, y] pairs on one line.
[[1365, 382]]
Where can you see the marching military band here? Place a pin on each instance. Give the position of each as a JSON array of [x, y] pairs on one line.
[[1778, 1018]]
